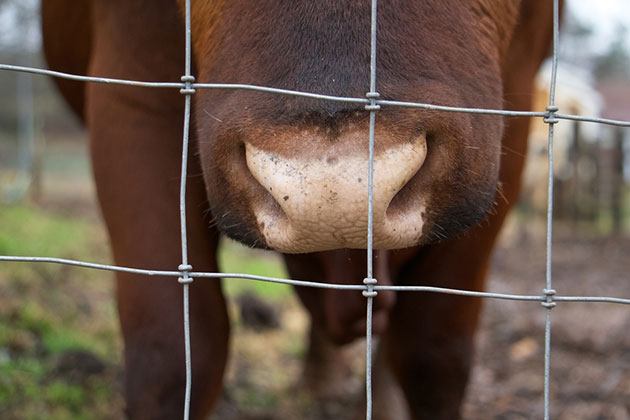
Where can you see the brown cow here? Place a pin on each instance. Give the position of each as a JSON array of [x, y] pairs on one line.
[[289, 173]]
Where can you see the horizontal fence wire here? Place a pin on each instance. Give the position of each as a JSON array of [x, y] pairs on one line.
[[315, 284], [332, 98], [372, 103]]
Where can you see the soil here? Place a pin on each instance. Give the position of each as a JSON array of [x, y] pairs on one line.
[[590, 376]]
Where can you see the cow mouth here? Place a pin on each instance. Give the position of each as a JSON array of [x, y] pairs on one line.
[[317, 203]]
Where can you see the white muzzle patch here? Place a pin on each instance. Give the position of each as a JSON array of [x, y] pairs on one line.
[[324, 200]]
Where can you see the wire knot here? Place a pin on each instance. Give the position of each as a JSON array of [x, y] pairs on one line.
[[370, 292], [372, 106], [550, 116], [548, 295], [188, 81], [185, 277]]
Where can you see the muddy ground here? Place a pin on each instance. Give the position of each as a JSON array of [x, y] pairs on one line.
[[590, 345]]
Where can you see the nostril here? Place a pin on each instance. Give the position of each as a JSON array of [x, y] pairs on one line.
[[261, 190], [403, 199], [407, 195]]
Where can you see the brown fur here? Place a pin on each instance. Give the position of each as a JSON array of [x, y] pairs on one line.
[[453, 53]]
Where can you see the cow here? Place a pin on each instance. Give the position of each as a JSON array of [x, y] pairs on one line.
[[290, 173]]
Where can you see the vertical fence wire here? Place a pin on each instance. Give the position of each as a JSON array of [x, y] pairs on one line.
[[369, 280], [185, 266], [549, 293]]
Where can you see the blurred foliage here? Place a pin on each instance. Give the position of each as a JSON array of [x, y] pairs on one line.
[[578, 47], [615, 62]]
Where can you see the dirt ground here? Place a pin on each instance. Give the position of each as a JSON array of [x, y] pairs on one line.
[[590, 342], [590, 346]]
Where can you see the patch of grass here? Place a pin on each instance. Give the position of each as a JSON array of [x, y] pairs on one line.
[[60, 340], [17, 380], [30, 387], [29, 390], [32, 317], [47, 310], [60, 393], [253, 397], [5, 334], [236, 258], [55, 337], [30, 231]]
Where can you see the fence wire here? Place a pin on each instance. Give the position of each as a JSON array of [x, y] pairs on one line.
[[548, 291], [185, 274]]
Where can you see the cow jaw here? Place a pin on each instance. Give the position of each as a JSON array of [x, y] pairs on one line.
[[320, 203]]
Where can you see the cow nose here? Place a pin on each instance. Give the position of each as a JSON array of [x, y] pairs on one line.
[[319, 201]]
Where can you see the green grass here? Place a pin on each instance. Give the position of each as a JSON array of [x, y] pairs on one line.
[[236, 258], [30, 231], [47, 310], [44, 314], [29, 391], [53, 336]]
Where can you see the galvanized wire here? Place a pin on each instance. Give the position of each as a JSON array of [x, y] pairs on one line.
[[313, 284], [311, 95], [369, 280], [185, 267], [370, 288], [550, 120]]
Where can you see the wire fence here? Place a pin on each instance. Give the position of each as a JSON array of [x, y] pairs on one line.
[[370, 287]]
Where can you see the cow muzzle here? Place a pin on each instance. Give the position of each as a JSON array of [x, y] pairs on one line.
[[319, 200]]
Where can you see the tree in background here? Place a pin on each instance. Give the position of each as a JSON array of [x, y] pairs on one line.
[[579, 48], [615, 62], [576, 47]]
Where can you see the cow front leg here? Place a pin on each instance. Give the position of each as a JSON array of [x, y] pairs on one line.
[[429, 349], [136, 157], [151, 309], [429, 345], [327, 372], [151, 321], [388, 400]]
